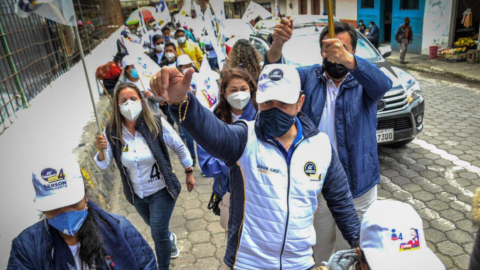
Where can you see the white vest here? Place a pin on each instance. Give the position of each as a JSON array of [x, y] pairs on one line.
[[280, 203]]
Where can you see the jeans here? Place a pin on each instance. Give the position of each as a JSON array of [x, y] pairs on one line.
[[188, 141], [156, 211], [329, 237]]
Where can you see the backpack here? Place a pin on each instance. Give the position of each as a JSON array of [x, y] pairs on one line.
[[103, 71]]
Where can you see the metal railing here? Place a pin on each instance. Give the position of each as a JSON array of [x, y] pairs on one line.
[[35, 51]]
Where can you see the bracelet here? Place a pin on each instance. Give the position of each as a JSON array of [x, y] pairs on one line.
[[189, 171]]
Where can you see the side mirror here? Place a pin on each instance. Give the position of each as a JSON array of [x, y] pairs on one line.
[[387, 54]]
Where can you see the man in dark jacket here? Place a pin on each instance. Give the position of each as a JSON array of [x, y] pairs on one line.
[[76, 233], [404, 36], [341, 100], [373, 34], [275, 177]]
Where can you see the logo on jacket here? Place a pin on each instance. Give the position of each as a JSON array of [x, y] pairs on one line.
[[276, 74], [310, 168]]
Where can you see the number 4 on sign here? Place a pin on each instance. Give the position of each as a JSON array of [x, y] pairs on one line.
[[400, 237]]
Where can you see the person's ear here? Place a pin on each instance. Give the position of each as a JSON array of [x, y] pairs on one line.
[[301, 100]]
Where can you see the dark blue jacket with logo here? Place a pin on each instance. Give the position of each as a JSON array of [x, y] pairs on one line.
[[34, 248], [355, 118], [229, 143]]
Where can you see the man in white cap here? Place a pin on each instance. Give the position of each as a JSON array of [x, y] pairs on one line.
[[279, 164], [76, 234], [392, 238]]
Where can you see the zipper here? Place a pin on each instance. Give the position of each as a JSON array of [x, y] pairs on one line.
[[288, 199]]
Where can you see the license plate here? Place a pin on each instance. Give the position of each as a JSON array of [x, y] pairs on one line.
[[385, 135]]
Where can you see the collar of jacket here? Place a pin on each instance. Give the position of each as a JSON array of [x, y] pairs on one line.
[[348, 82], [308, 128], [249, 112]]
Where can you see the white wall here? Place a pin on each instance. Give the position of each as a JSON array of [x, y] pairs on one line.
[[346, 9], [436, 24]]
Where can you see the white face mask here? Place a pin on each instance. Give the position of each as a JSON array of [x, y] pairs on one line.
[[159, 47], [170, 56], [131, 109], [239, 100], [181, 40]]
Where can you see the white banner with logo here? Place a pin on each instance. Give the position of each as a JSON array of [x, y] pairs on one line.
[[145, 66]]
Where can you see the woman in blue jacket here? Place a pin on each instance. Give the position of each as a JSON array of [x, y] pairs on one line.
[[75, 233], [237, 102]]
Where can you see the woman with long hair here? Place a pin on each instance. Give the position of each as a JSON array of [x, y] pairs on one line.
[[137, 140], [75, 233], [245, 55], [237, 102]]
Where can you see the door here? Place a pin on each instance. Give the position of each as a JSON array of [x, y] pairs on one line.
[[387, 22], [316, 7], [303, 7]]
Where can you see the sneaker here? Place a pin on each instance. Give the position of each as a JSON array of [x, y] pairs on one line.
[[175, 250]]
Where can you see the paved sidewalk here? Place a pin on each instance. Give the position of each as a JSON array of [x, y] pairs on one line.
[[201, 239], [462, 70]]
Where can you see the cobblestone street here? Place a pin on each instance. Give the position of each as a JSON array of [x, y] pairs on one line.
[[437, 174]]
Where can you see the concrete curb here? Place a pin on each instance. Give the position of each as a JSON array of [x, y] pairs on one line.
[[101, 185], [433, 70]]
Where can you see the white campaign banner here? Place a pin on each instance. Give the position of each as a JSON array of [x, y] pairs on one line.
[[144, 65], [254, 10], [207, 91], [60, 11]]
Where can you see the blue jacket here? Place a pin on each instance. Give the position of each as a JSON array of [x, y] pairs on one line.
[[355, 118], [373, 32], [34, 248], [216, 168], [228, 143]]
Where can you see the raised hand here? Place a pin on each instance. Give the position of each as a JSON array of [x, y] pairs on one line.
[[335, 52], [171, 85], [283, 32]]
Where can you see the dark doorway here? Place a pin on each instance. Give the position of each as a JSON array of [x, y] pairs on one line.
[[387, 22], [316, 7]]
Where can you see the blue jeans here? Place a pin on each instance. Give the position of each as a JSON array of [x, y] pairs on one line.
[[188, 141], [156, 211]]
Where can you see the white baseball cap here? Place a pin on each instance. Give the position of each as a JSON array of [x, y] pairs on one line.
[[392, 238], [184, 60], [279, 82], [127, 61], [57, 184]]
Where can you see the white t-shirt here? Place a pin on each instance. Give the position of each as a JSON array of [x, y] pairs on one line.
[[76, 255], [327, 123], [137, 83], [235, 117], [159, 56]]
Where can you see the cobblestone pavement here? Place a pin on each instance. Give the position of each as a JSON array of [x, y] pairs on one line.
[[437, 173]]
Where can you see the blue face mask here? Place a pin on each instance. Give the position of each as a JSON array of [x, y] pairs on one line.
[[69, 223], [275, 123], [167, 38], [134, 74]]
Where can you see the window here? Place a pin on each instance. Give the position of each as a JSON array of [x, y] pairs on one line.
[[409, 4], [334, 3], [368, 3]]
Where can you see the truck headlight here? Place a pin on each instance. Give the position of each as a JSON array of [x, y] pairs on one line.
[[413, 92]]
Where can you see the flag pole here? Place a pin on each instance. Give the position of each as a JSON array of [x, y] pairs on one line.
[[331, 24], [79, 43]]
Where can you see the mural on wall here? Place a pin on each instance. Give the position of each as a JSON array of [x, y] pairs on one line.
[[436, 25]]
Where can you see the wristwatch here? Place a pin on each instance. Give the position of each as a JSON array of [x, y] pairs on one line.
[[188, 171]]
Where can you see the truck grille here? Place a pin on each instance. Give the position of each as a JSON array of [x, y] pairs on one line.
[[396, 124], [394, 101]]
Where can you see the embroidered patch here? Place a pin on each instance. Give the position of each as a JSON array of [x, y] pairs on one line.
[[310, 168]]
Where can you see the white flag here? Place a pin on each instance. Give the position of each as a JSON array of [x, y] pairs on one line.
[[162, 13], [219, 9], [186, 9], [207, 91], [60, 11], [254, 10]]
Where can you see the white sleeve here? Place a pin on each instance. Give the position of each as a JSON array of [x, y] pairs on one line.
[[102, 165], [176, 144]]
